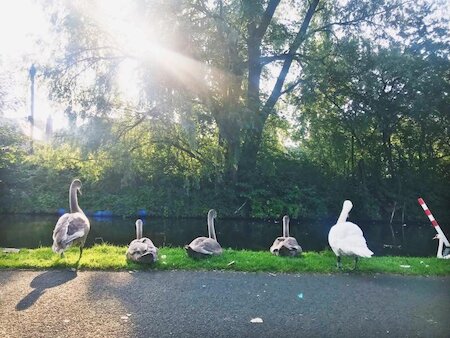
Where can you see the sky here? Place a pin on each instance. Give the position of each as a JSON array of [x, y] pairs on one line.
[[24, 34], [26, 38]]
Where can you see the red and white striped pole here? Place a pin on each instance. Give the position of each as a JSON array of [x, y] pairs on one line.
[[433, 220]]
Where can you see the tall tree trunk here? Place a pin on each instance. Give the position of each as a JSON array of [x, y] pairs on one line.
[[256, 111]]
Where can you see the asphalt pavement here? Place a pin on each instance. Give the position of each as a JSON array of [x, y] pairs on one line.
[[66, 303]]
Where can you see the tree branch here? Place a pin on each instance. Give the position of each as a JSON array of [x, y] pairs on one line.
[[126, 129], [264, 60], [362, 18], [301, 35], [266, 19], [291, 87], [178, 146]]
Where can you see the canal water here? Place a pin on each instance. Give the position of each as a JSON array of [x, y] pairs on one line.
[[31, 231]]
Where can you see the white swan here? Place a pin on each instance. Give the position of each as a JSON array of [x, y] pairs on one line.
[[346, 238], [205, 246], [286, 245], [440, 254], [142, 249], [72, 228]]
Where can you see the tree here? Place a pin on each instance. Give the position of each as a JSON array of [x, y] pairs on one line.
[[215, 65], [379, 118]]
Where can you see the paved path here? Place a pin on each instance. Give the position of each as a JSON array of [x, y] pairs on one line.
[[221, 304]]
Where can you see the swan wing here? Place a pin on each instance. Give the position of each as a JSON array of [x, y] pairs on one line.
[[61, 226], [148, 243], [140, 248], [285, 246], [347, 239], [197, 242], [206, 246], [69, 228], [277, 244], [211, 246], [356, 245], [292, 244]]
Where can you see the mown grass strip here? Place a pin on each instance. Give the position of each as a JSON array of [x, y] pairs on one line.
[[110, 257]]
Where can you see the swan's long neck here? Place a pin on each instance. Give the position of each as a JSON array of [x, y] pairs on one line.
[[440, 248], [344, 213], [211, 230], [138, 230], [73, 200], [285, 226]]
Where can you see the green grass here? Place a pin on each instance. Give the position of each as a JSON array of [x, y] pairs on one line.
[[109, 257]]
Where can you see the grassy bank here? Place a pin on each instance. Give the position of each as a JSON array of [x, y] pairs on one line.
[[109, 257]]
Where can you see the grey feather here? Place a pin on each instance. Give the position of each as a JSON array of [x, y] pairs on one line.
[[202, 247], [286, 245], [142, 249]]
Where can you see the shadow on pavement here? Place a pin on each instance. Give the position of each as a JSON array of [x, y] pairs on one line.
[[42, 282]]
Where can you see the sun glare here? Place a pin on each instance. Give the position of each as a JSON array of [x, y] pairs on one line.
[[139, 40], [24, 32]]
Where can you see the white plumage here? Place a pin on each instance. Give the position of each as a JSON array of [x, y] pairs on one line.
[[205, 246], [72, 228], [142, 249], [441, 253], [346, 238]]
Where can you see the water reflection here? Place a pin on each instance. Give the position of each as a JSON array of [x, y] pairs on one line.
[[26, 231]]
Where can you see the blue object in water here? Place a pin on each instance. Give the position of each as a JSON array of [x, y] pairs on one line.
[[103, 213], [107, 213], [61, 211], [142, 213], [300, 295]]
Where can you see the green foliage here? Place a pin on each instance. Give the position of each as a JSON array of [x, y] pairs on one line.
[[368, 121]]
